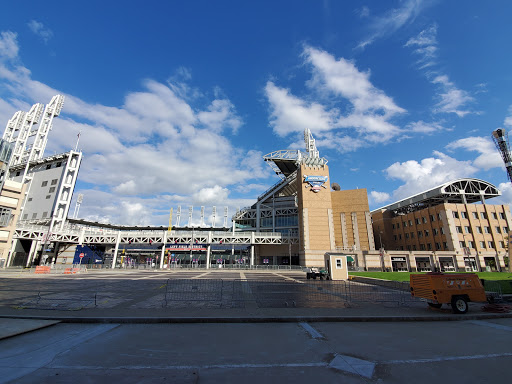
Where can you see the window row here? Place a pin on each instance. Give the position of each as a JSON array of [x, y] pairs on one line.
[[483, 215], [478, 229]]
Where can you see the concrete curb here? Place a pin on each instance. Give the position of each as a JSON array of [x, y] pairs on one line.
[[259, 319]]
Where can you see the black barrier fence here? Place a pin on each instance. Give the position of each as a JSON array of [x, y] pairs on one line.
[[269, 294]]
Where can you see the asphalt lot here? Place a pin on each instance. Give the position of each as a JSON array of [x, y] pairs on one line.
[[476, 351]]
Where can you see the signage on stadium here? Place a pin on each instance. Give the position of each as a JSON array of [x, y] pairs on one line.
[[185, 247], [316, 183]]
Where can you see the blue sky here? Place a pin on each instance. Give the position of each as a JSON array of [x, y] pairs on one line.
[[177, 102]]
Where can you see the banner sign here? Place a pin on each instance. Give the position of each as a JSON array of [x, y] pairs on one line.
[[316, 183], [185, 247]]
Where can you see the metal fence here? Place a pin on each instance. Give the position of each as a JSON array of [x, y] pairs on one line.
[[279, 294], [48, 300]]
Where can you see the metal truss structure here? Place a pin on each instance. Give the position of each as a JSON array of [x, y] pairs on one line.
[[460, 191], [113, 237], [500, 138]]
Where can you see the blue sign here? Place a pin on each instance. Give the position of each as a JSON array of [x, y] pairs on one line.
[[316, 183]]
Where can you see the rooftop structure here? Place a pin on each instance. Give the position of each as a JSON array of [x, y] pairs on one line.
[[460, 191]]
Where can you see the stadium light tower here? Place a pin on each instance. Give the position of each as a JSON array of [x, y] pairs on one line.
[[500, 138]]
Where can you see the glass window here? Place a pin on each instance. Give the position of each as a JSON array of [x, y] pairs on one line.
[[462, 245], [502, 215], [483, 215], [25, 216], [438, 246], [505, 229], [463, 215], [487, 230], [48, 196], [439, 216], [58, 164], [475, 215], [397, 225], [422, 247], [420, 234], [54, 181], [44, 183], [478, 229], [467, 229], [406, 235], [393, 226], [44, 214], [482, 244], [502, 244], [429, 246], [52, 189], [405, 224], [48, 166], [34, 215], [456, 215], [435, 231], [445, 245], [459, 229], [494, 216], [412, 235], [490, 244], [417, 221], [426, 233], [424, 219], [471, 244], [410, 223], [432, 218], [414, 247]]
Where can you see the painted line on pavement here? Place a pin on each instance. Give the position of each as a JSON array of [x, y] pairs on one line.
[[491, 325], [201, 275], [446, 358], [287, 278], [312, 331]]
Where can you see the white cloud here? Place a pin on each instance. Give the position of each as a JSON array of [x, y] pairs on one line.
[[8, 45], [423, 127], [379, 197], [489, 156], [428, 173], [393, 20], [154, 151], [291, 114], [343, 79], [335, 82], [451, 98], [508, 119], [40, 30]]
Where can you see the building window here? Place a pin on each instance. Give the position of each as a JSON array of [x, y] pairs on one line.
[[435, 231], [414, 247], [44, 214], [475, 215], [505, 229], [400, 236], [498, 230], [438, 246], [478, 229], [54, 181], [44, 183], [412, 235], [401, 247], [393, 226], [445, 245], [394, 237], [417, 221], [405, 224], [494, 216], [482, 244], [58, 164], [18, 173], [422, 247], [487, 230], [432, 218], [48, 166], [439, 216], [34, 215], [420, 234], [397, 225], [462, 245], [339, 265], [455, 215], [463, 215], [29, 199], [424, 219], [406, 235], [410, 223], [52, 189], [429, 246], [490, 244], [467, 229], [442, 230], [48, 196], [471, 244], [483, 215], [426, 232], [502, 244], [459, 229], [502, 216], [25, 216], [408, 247]]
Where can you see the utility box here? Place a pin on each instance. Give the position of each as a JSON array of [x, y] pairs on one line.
[[336, 265]]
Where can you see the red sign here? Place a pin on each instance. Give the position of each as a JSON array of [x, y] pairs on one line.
[[82, 255]]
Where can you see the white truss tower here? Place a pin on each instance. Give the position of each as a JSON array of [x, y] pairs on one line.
[[178, 216], [202, 217], [190, 211], [21, 127], [214, 214], [225, 217]]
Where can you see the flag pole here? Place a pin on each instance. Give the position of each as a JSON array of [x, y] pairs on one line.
[[77, 140]]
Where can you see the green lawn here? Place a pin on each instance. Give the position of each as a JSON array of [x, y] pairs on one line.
[[505, 279]]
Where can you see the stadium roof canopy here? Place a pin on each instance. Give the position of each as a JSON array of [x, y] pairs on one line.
[[461, 191]]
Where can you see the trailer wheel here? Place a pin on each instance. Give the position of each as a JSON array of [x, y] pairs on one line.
[[434, 305], [308, 275], [459, 304]]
